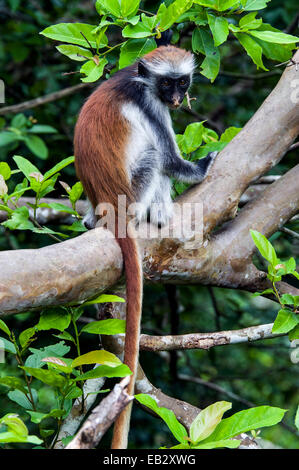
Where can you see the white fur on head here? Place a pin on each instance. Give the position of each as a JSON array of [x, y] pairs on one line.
[[161, 66]]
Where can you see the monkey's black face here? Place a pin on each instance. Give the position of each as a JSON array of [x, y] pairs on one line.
[[172, 90]]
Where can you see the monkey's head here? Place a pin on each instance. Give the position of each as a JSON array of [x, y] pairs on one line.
[[167, 71]]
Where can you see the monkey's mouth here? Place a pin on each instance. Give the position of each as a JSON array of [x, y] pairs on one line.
[[175, 105]]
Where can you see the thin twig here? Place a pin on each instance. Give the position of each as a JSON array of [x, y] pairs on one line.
[[57, 95]]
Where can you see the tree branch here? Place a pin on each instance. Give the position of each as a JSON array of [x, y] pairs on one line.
[[102, 417], [57, 95], [205, 340]]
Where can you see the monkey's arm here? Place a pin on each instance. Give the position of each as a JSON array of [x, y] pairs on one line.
[[188, 172]]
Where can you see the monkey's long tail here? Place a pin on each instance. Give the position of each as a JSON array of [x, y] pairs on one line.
[[134, 288]]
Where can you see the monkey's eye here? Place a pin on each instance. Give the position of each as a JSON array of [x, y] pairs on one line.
[[165, 83], [183, 82]]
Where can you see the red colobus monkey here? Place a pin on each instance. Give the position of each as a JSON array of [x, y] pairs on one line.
[[124, 145]]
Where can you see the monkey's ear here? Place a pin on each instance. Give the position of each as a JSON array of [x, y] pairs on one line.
[[142, 70]]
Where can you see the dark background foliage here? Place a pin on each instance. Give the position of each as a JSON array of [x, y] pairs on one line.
[[257, 373]]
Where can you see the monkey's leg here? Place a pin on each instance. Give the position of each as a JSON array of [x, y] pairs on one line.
[[145, 181], [161, 208], [90, 220]]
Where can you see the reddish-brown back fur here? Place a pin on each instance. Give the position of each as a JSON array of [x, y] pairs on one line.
[[99, 145]]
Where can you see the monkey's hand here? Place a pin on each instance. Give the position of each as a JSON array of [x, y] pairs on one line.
[[205, 163]]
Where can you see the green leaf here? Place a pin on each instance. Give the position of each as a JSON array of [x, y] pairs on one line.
[[57, 206], [285, 321], [25, 337], [75, 52], [42, 129], [230, 133], [246, 420], [281, 53], [18, 121], [13, 383], [35, 359], [207, 420], [252, 48], [4, 328], [297, 418], [8, 346], [219, 27], [37, 417], [105, 327], [71, 33], [288, 299], [119, 8], [37, 146], [5, 170], [97, 357], [16, 430], [58, 319], [132, 49], [168, 416], [267, 291], [209, 135], [211, 147], [74, 393], [249, 21], [14, 424], [265, 247], [219, 5], [172, 13], [76, 192], [58, 167], [65, 335], [290, 265], [294, 333], [103, 298], [19, 220], [228, 443], [275, 37], [92, 70], [192, 137], [256, 4], [58, 363], [46, 231], [7, 138], [104, 371], [25, 166], [76, 227], [203, 42], [18, 397], [49, 377], [140, 30]]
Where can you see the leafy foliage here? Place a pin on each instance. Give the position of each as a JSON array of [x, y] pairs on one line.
[[211, 21], [209, 430], [287, 318]]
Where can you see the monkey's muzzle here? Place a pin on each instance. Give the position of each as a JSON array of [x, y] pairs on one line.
[[176, 101]]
